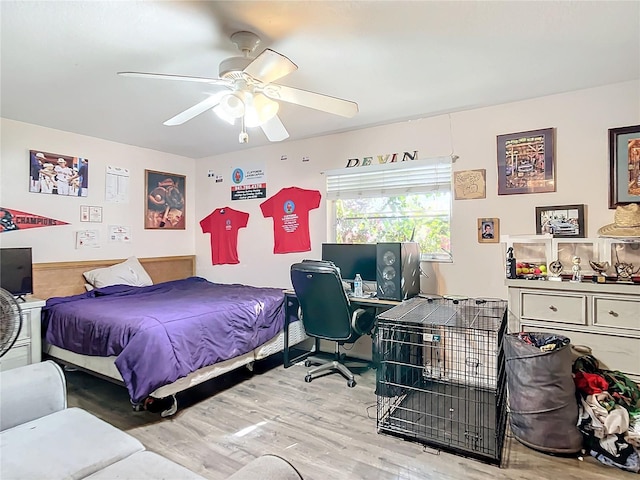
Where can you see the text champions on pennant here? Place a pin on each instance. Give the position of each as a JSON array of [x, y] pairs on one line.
[[382, 159]]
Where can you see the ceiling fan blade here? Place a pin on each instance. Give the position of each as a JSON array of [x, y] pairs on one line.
[[274, 129], [270, 66], [184, 78], [313, 100], [196, 110]]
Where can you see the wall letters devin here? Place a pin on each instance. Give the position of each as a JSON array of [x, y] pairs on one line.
[[382, 159]]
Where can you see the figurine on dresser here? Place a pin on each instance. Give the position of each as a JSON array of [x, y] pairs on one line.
[[555, 269], [576, 270], [625, 272], [600, 268]]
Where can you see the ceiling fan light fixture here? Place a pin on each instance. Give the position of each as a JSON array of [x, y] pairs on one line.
[[232, 105], [223, 115], [260, 110], [230, 108]]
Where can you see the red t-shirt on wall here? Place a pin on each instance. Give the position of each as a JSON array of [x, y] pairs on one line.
[[290, 211], [223, 225]]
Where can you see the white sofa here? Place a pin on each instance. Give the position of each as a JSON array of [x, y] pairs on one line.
[[40, 438]]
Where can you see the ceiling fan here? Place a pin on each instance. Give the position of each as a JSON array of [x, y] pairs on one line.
[[250, 93]]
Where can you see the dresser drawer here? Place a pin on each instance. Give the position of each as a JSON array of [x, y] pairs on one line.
[[18, 356], [614, 353], [616, 312], [564, 308], [25, 331]]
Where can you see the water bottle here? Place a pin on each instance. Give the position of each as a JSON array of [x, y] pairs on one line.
[[357, 286]]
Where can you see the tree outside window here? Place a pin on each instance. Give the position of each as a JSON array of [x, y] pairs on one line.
[[424, 218]]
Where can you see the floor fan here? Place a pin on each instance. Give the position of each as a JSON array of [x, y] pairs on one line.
[[10, 321]]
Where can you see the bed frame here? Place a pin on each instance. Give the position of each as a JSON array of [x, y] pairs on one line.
[[60, 279]]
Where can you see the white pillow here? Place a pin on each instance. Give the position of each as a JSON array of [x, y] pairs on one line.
[[129, 272]]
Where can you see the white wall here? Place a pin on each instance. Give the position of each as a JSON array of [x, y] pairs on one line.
[[581, 120], [57, 243]]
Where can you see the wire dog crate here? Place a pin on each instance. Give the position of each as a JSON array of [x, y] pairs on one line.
[[441, 374]]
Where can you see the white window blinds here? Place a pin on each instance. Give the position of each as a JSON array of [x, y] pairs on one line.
[[389, 179]]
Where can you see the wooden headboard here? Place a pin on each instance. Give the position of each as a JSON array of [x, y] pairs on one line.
[[60, 279]]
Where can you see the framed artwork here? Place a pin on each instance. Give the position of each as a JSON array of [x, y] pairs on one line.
[[526, 162], [165, 200], [561, 221], [57, 174], [470, 184], [90, 213], [624, 165], [488, 230]]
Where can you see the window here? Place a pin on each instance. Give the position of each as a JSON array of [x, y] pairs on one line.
[[394, 202]]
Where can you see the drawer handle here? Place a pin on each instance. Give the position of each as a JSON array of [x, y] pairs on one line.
[[552, 308], [612, 313]]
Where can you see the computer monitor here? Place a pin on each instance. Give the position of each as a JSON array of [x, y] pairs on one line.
[[352, 258], [16, 274]]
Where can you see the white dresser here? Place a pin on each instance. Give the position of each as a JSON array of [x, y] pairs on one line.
[[604, 317], [28, 346]]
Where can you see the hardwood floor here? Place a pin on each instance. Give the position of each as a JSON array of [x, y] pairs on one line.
[[324, 428]]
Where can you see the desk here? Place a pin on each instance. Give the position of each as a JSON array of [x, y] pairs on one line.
[[291, 314]]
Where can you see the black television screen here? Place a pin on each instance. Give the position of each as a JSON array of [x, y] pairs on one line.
[[16, 270], [352, 258]]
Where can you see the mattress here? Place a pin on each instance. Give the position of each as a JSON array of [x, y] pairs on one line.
[[105, 366], [162, 333]]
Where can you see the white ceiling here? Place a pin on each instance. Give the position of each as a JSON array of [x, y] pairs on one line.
[[398, 60]]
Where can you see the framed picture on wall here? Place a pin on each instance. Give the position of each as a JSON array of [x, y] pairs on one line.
[[469, 184], [165, 200], [526, 162], [57, 174], [488, 230], [561, 221], [624, 165]]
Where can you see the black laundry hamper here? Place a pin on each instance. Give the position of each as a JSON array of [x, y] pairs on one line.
[[542, 399]]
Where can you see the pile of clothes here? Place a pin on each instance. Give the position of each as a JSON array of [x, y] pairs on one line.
[[609, 414], [546, 342]]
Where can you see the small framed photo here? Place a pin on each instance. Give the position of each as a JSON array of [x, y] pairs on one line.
[[624, 165], [90, 213], [488, 230], [561, 221], [165, 200], [526, 162]]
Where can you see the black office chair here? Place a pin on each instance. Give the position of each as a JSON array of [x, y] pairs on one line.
[[327, 313]]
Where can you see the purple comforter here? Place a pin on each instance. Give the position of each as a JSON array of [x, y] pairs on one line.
[[166, 331]]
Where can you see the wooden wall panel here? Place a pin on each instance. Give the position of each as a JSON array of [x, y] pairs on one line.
[[59, 279]]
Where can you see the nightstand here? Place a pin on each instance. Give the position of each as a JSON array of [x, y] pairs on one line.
[[28, 346]]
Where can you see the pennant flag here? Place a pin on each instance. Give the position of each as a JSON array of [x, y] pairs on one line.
[[16, 220]]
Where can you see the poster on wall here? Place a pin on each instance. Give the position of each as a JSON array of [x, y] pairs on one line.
[[165, 200], [526, 162], [57, 174], [116, 185], [249, 181], [11, 220]]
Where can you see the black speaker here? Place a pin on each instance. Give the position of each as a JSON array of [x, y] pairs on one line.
[[398, 270]]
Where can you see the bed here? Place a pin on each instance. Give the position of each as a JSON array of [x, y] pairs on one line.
[[152, 328]]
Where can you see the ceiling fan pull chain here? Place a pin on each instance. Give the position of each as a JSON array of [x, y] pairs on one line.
[[244, 136]]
